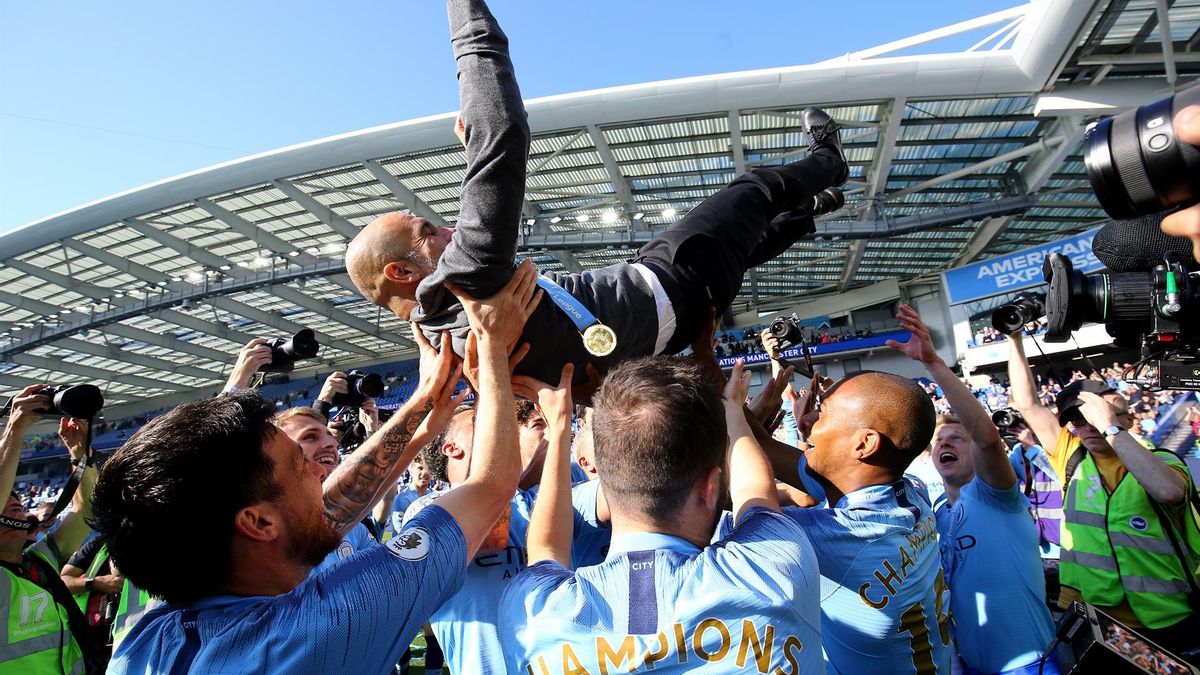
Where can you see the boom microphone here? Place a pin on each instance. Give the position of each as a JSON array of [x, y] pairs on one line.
[[1138, 245]]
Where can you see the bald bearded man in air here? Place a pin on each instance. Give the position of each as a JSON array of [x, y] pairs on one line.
[[655, 304]]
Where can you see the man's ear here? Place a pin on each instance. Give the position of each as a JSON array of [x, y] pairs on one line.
[[710, 488], [585, 464], [258, 522], [867, 442], [402, 272], [452, 451]]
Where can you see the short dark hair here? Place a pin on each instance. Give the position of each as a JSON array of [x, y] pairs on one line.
[[177, 485], [525, 410], [432, 457], [658, 426]]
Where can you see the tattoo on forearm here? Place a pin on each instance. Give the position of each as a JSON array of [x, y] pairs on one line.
[[354, 484]]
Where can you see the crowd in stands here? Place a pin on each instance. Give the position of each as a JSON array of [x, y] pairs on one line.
[[742, 341]]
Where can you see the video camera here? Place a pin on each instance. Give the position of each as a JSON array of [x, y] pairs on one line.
[[77, 401], [359, 387], [1137, 167], [286, 351]]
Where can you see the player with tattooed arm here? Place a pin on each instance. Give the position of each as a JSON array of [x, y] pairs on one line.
[[217, 479]]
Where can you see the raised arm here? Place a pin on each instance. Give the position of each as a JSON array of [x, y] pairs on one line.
[[479, 259], [495, 453], [253, 355], [751, 481], [359, 482], [74, 528], [1024, 394], [551, 525], [20, 418], [987, 448], [1164, 484]]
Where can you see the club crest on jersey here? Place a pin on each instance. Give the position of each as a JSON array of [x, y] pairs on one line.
[[344, 549], [410, 545], [1139, 523]]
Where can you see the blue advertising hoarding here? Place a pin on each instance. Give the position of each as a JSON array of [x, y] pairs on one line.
[[1018, 270]]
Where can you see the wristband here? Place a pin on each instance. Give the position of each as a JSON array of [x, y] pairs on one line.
[[89, 584]]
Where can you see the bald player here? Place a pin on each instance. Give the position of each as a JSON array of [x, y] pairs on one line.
[[884, 603], [657, 304]]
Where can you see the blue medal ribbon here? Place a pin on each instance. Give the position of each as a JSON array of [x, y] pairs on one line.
[[579, 314], [598, 339]]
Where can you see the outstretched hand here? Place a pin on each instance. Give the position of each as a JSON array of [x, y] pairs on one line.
[[502, 317], [920, 346], [553, 400], [765, 406]]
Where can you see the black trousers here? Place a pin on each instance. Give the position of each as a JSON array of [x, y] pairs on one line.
[[702, 259]]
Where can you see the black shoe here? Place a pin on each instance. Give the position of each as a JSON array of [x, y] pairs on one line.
[[822, 132], [827, 201]]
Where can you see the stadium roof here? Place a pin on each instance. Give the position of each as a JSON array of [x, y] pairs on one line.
[[954, 156]]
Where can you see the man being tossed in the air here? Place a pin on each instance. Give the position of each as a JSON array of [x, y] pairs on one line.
[[657, 304]]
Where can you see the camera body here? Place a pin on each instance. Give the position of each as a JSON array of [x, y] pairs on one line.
[[1155, 312], [786, 329], [77, 401], [286, 351], [1007, 419], [1024, 308], [359, 387]]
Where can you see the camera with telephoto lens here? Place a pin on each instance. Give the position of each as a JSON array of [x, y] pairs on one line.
[[1024, 308], [786, 329], [78, 401], [1007, 419], [1136, 164], [285, 352], [1154, 312], [359, 387]]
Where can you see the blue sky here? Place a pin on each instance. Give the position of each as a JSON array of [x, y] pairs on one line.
[[99, 97]]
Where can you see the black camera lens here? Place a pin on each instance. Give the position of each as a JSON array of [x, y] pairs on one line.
[[286, 351], [1025, 308], [787, 331], [1076, 298], [359, 387], [1135, 163], [81, 401], [1006, 419], [370, 385]]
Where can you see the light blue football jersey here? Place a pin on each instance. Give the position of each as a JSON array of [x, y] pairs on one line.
[[466, 624], [884, 600], [989, 547], [356, 617], [745, 604]]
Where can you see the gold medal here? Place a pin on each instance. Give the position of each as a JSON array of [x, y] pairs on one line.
[[599, 340]]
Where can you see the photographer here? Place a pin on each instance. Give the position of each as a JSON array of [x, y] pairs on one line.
[[55, 637], [1127, 544], [251, 358]]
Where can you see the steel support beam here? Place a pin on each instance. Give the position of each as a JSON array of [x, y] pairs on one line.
[[1035, 174], [122, 264], [975, 168], [167, 341], [937, 34], [325, 309], [254, 233], [624, 194], [1162, 9], [569, 262], [283, 325], [877, 175], [322, 213], [1144, 59], [130, 356], [180, 246], [100, 374], [416, 205]]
